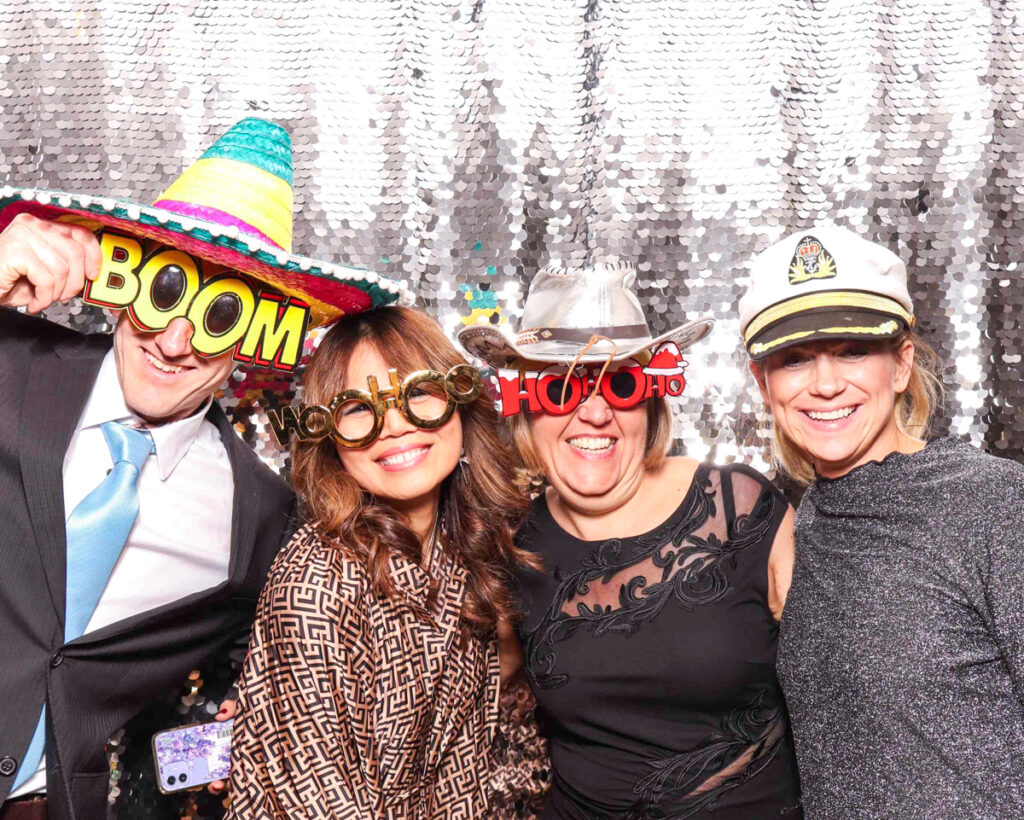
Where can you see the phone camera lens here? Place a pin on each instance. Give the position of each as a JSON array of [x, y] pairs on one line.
[[170, 780], [182, 777]]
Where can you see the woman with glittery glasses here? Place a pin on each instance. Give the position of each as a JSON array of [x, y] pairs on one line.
[[649, 634], [902, 647], [370, 688]]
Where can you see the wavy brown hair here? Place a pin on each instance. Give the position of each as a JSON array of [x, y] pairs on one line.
[[480, 507]]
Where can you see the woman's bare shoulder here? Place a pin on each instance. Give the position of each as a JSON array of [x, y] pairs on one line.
[[682, 465], [677, 471]]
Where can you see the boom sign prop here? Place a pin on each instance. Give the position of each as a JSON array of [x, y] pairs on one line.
[[226, 309]]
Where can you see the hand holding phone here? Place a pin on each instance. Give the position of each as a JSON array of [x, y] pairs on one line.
[[191, 756]]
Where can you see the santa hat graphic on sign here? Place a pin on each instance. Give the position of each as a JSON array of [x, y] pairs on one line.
[[666, 361]]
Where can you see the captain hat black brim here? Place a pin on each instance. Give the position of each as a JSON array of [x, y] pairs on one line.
[[825, 315]]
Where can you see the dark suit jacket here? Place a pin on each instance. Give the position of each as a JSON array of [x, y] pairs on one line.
[[96, 683]]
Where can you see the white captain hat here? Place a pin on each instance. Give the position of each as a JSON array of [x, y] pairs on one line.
[[824, 282]]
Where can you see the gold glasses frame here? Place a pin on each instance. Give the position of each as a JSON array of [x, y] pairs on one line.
[[316, 421]]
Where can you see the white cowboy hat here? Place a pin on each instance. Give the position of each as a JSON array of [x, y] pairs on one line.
[[566, 308]]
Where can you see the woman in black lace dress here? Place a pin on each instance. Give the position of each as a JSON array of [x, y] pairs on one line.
[[649, 638]]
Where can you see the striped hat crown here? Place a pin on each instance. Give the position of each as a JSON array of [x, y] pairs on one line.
[[243, 180]]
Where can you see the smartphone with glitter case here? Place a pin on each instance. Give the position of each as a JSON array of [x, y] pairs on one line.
[[193, 755]]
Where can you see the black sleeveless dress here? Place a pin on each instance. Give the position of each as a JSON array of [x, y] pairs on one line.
[[653, 661]]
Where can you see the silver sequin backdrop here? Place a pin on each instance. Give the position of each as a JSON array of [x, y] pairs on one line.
[[462, 145]]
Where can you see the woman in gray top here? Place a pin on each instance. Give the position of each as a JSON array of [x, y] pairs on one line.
[[902, 643]]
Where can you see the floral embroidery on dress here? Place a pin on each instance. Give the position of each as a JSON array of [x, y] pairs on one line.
[[686, 562], [744, 745]]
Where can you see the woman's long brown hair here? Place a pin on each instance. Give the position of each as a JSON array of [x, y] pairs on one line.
[[480, 505]]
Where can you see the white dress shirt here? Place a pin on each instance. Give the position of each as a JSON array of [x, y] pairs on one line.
[[181, 540]]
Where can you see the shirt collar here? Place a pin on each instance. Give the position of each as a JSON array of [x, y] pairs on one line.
[[106, 403]]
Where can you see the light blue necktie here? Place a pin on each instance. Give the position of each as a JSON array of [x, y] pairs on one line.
[[96, 532]]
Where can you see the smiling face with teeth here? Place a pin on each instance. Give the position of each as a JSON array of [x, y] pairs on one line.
[[835, 400], [162, 377], [593, 457], [406, 464]]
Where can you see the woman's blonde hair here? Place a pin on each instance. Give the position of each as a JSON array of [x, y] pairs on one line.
[[658, 440], [914, 408]]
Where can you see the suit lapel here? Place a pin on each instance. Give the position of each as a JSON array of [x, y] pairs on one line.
[[57, 390], [248, 498]]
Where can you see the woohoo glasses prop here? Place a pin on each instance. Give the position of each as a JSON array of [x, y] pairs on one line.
[[558, 390], [354, 418], [226, 310]]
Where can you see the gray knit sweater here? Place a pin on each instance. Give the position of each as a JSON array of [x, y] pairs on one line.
[[902, 646]]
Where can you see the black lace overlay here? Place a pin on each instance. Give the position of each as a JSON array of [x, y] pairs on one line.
[[695, 780], [692, 573], [653, 661]]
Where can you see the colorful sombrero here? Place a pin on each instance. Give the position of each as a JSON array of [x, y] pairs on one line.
[[233, 207]]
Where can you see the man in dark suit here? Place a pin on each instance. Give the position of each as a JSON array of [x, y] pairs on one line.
[[95, 683], [136, 529]]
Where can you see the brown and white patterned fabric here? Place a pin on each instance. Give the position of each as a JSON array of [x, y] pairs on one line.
[[355, 705], [521, 769]]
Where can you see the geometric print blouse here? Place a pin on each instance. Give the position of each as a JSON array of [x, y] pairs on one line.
[[354, 705]]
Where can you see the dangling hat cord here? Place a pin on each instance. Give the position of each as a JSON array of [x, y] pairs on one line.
[[594, 339]]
